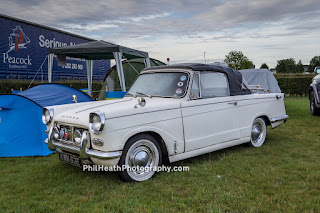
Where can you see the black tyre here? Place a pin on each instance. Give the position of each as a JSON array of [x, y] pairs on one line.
[[313, 108], [258, 132], [140, 155]]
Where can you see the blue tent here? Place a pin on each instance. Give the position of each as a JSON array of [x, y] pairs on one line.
[[22, 132]]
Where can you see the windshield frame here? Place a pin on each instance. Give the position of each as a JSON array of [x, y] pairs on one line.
[[164, 72]]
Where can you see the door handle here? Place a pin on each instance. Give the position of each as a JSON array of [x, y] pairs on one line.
[[234, 103]]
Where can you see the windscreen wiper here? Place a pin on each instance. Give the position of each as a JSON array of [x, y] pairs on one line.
[[141, 93], [130, 94]]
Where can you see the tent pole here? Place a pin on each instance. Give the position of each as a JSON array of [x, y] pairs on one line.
[[50, 64], [91, 73], [117, 57], [89, 64]]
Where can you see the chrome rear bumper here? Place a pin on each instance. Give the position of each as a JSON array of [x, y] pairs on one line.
[[84, 152], [279, 118]]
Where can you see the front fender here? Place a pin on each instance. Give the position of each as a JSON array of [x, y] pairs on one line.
[[169, 140]]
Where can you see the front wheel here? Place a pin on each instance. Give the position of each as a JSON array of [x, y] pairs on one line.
[[313, 108], [141, 155], [258, 132]]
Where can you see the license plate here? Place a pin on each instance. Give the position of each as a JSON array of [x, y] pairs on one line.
[[70, 159]]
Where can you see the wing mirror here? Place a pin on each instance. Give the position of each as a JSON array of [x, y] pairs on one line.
[[141, 102]]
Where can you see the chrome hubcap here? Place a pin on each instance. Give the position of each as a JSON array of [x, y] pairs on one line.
[[257, 133], [142, 156]]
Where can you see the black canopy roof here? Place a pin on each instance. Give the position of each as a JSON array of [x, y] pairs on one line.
[[234, 76], [96, 50]]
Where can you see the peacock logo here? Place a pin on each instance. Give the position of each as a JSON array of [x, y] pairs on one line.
[[18, 39]]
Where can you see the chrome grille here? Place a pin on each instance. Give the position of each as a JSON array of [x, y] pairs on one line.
[[67, 134]]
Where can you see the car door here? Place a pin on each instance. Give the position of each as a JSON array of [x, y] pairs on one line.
[[209, 116]]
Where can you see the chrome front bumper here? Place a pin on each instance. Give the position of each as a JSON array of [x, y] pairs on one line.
[[84, 152]]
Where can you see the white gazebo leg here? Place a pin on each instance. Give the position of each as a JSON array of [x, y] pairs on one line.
[[50, 64], [117, 57], [89, 64]]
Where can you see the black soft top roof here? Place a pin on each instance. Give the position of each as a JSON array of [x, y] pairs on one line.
[[234, 76]]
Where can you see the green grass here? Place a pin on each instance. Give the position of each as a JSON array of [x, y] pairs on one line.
[[283, 175]]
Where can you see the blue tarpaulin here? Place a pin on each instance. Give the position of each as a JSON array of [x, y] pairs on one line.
[[114, 95], [54, 94], [22, 132]]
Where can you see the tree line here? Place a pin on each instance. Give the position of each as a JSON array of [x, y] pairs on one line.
[[237, 60]]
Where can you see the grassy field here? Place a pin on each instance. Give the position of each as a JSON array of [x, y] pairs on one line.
[[283, 175]]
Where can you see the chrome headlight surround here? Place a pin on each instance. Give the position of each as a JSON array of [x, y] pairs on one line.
[[77, 136], [96, 122], [56, 133], [47, 115]]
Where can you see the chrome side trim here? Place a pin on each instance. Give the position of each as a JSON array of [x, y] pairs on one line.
[[279, 118], [208, 149]]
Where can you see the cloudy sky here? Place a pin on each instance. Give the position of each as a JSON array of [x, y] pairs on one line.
[[182, 30]]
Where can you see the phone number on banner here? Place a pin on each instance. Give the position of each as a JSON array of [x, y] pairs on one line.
[[73, 66]]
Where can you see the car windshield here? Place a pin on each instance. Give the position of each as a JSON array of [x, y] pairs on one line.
[[164, 84]]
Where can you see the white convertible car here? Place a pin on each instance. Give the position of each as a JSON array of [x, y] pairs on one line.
[[170, 113]]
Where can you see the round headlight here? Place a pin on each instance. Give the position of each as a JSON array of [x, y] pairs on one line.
[[56, 133], [47, 116], [96, 122], [77, 136]]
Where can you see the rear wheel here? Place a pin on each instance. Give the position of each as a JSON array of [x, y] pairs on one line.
[[313, 108], [258, 132], [141, 154]]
